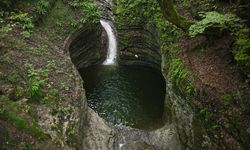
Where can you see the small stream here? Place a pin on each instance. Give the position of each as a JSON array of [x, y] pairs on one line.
[[130, 96]]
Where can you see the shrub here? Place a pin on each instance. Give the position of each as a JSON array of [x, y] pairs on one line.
[[212, 19]]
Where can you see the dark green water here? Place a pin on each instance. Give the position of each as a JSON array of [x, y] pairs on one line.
[[128, 96]]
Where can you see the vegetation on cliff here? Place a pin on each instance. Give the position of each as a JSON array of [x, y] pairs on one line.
[[40, 94], [205, 55], [216, 35], [205, 50]]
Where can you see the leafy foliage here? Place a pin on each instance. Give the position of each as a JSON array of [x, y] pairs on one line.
[[137, 11], [25, 21], [36, 83], [241, 48], [91, 13], [40, 88], [212, 19], [179, 74], [242, 55], [42, 7], [176, 70], [237, 29]]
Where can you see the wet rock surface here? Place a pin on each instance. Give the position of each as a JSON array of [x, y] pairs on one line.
[[105, 7], [160, 139], [86, 46], [138, 45]]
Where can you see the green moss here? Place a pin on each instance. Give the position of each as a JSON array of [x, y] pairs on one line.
[[9, 111], [22, 124], [59, 22], [173, 16]]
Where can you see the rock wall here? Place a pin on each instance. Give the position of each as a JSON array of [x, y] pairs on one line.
[[105, 7], [181, 115], [87, 46], [138, 45]]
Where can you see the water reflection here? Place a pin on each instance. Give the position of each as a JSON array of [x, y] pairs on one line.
[[129, 96]]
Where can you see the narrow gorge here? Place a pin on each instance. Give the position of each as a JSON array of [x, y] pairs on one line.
[[124, 75]]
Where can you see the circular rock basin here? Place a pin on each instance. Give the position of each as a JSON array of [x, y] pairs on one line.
[[130, 96]]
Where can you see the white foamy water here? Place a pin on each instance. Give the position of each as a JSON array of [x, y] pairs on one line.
[[112, 47]]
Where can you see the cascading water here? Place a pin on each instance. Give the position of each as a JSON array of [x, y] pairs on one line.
[[111, 56]]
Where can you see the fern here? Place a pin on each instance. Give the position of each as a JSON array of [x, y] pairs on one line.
[[25, 20], [242, 54], [36, 84], [176, 70], [42, 7], [181, 76], [212, 19], [91, 12], [238, 30]]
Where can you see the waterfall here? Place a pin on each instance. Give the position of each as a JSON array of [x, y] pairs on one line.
[[112, 48]]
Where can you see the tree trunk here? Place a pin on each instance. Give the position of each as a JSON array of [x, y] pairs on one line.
[[170, 13]]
